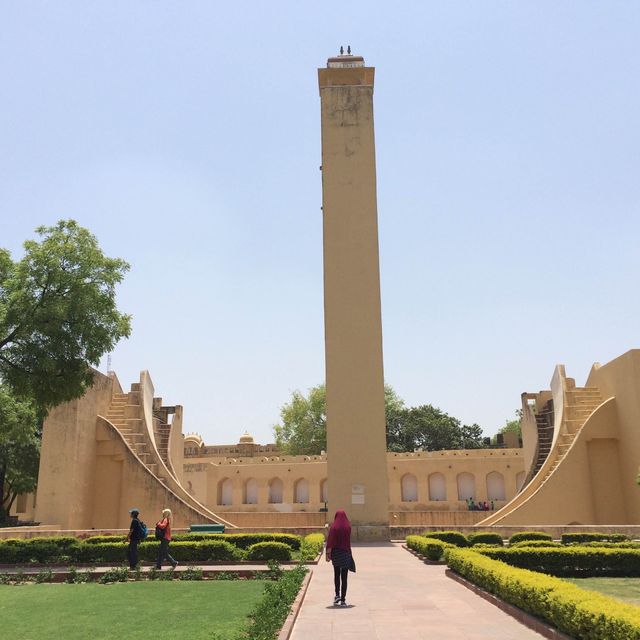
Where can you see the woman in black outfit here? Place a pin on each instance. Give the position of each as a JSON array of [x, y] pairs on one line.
[[339, 552]]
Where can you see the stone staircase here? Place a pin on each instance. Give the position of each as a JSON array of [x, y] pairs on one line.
[[544, 423], [162, 433], [147, 430], [162, 430], [580, 403], [124, 413]]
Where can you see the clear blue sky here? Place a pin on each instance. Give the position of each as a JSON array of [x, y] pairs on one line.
[[186, 136]]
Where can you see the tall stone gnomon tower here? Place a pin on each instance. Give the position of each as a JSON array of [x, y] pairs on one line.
[[356, 445]]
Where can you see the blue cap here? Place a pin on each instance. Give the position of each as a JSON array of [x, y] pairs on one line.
[[132, 511]]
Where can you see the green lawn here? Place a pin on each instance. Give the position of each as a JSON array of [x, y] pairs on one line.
[[627, 589], [181, 609]]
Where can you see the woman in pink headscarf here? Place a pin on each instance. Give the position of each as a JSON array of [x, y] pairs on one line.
[[339, 552]]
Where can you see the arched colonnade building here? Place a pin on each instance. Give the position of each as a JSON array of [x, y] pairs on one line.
[[418, 481]]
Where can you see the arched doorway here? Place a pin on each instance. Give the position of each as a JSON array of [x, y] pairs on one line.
[[301, 491], [225, 492], [275, 491], [437, 487], [409, 488], [466, 486], [251, 491], [495, 486]]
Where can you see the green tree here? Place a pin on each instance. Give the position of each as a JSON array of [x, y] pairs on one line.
[[58, 314], [58, 317], [303, 426], [427, 427], [513, 426], [471, 436], [19, 448]]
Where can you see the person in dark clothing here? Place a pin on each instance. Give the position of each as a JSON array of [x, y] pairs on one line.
[[339, 553], [134, 537]]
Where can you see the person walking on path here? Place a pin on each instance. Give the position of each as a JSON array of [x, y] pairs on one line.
[[339, 552], [133, 538], [163, 532]]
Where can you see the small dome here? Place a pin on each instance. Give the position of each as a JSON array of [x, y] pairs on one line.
[[246, 438], [193, 438]]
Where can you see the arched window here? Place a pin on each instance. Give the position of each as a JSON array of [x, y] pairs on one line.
[[495, 486], [225, 492], [251, 491], [519, 480], [466, 486], [301, 491], [437, 487], [324, 491], [275, 491], [409, 488]]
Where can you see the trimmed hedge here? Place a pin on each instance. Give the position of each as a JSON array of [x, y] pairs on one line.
[[485, 538], [529, 535], [451, 537], [98, 539], [613, 545], [269, 551], [243, 540], [534, 543], [311, 546], [579, 562], [217, 546], [38, 550], [430, 548], [581, 538], [71, 550], [213, 551], [575, 611], [272, 610]]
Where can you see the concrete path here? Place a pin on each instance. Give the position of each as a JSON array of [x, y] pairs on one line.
[[395, 596]]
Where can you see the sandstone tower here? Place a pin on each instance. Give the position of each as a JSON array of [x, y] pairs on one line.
[[356, 446]]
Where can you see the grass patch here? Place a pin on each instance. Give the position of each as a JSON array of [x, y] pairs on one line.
[[132, 610], [626, 589]]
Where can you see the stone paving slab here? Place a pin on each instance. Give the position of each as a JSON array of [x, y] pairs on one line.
[[395, 596]]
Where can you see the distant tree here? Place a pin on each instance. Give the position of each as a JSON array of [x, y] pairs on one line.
[[58, 314], [427, 427], [19, 448], [471, 436], [303, 426], [513, 426]]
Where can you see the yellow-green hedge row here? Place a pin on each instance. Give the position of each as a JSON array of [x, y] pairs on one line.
[[430, 548], [574, 561], [581, 614]]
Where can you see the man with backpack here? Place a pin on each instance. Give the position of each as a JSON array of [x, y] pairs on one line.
[[137, 533]]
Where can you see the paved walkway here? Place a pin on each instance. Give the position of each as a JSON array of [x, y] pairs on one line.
[[395, 596]]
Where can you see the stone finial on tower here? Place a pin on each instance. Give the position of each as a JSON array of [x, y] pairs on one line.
[[345, 61]]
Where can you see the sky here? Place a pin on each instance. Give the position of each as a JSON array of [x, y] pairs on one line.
[[186, 137]]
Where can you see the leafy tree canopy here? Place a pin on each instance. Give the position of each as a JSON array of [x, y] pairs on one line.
[[19, 448], [57, 313], [303, 428], [57, 318], [513, 426], [427, 427]]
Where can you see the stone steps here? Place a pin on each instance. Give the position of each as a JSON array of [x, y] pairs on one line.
[[581, 403]]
